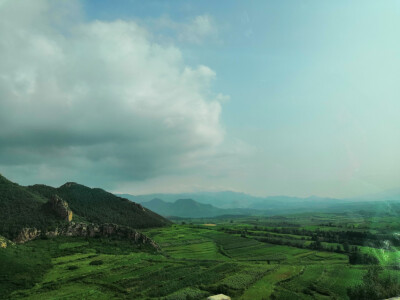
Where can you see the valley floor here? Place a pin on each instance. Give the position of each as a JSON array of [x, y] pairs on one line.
[[196, 261]]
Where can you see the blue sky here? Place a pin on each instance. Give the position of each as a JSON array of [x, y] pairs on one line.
[[307, 99]]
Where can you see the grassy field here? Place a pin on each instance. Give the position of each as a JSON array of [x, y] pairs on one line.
[[196, 261]]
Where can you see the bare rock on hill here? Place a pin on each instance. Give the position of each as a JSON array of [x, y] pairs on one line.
[[27, 234], [219, 297], [61, 208], [89, 230]]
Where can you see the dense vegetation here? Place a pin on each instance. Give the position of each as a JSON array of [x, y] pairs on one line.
[[22, 207], [19, 208], [31, 265], [99, 206], [209, 256], [304, 256], [375, 285]]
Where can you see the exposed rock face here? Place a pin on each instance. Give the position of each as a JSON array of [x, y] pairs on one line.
[[61, 208], [27, 234], [219, 297], [89, 230]]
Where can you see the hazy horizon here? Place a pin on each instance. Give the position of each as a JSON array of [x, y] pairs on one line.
[[140, 97]]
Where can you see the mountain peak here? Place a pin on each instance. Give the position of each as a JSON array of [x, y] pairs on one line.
[[69, 184], [187, 201]]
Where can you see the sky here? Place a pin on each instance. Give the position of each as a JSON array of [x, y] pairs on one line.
[[285, 97]]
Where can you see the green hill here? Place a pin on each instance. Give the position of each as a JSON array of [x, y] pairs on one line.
[[28, 207], [98, 206], [20, 207]]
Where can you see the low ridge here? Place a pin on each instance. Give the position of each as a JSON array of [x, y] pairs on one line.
[[189, 208]]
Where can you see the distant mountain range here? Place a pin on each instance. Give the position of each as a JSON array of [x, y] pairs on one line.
[[229, 200], [188, 208], [224, 199], [208, 204], [388, 195]]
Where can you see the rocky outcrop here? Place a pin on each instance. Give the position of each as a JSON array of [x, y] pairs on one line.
[[89, 230], [61, 208], [219, 297], [27, 234]]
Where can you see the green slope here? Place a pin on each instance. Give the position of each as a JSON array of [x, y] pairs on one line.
[[20, 207], [98, 206], [28, 207]]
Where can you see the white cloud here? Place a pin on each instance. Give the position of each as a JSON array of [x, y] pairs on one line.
[[101, 99], [198, 29]]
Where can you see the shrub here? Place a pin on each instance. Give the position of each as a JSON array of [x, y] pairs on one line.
[[375, 286], [96, 262], [357, 258]]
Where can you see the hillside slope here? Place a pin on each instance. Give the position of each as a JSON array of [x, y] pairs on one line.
[[22, 207], [98, 206]]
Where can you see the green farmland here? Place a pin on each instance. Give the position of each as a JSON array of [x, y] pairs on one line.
[[195, 261]]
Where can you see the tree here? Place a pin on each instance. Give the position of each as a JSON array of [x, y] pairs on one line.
[[346, 247], [375, 286], [358, 258]]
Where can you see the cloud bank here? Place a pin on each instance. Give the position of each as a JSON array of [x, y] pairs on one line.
[[97, 102]]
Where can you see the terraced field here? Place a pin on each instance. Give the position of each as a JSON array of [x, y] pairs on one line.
[[300, 273], [195, 261]]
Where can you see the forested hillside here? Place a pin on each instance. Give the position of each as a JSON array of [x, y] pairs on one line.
[[22, 207], [98, 206]]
